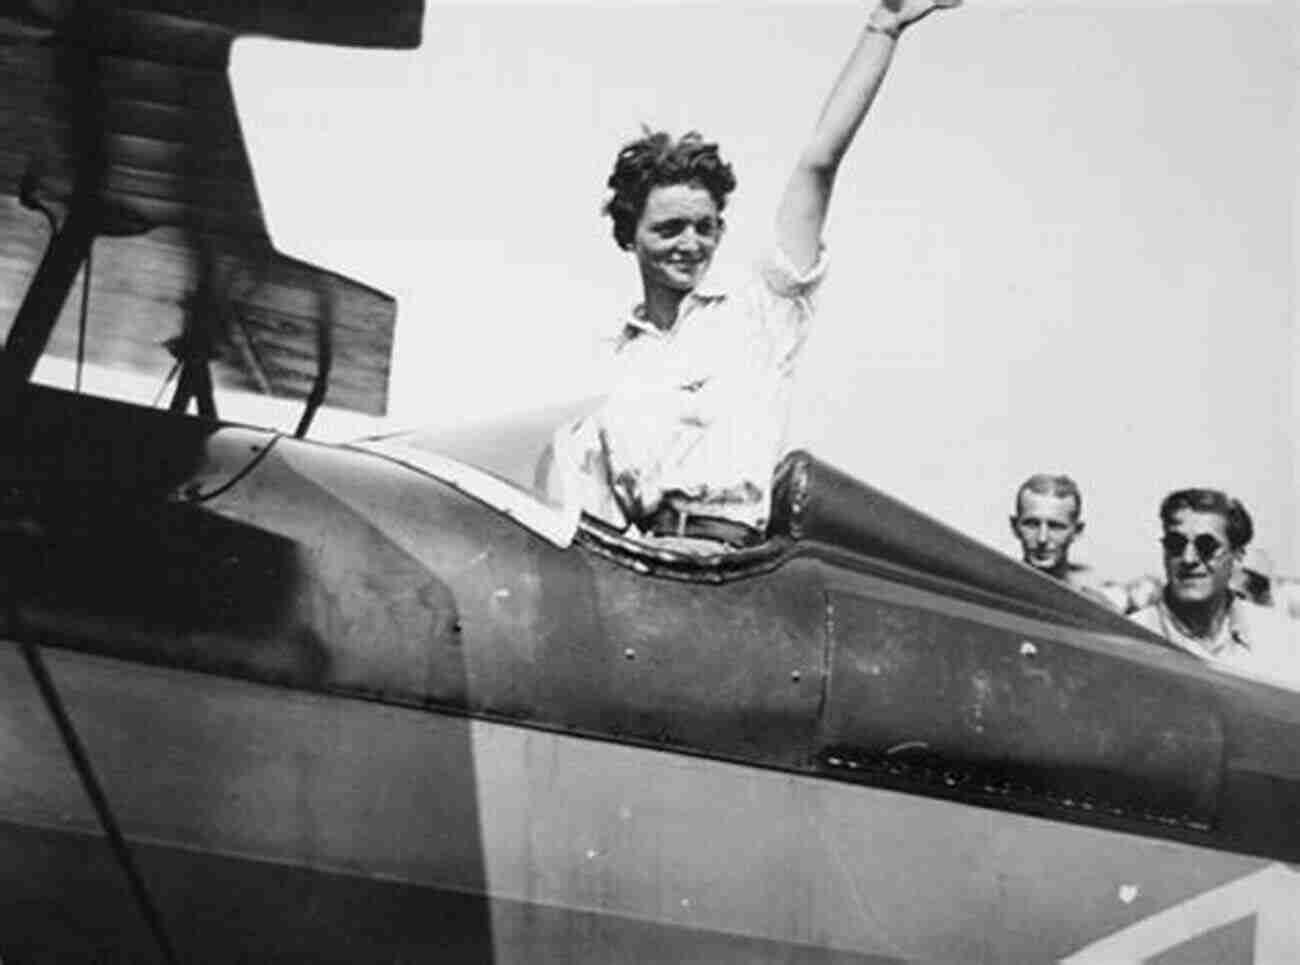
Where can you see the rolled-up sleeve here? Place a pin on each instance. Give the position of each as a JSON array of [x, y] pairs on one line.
[[782, 303], [785, 280]]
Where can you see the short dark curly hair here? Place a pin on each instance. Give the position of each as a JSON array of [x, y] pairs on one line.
[[1237, 522], [655, 160]]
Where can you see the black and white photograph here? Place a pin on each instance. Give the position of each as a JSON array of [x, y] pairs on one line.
[[650, 481]]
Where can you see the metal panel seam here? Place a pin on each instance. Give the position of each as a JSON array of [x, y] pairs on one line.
[[828, 636]]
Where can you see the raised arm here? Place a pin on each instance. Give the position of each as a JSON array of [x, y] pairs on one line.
[[803, 208]]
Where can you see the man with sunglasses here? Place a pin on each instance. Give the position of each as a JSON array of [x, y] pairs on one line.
[[1205, 537]]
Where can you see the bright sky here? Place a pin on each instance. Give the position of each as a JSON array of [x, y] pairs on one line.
[[1064, 240]]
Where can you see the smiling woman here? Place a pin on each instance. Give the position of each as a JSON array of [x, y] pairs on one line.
[[674, 242], [667, 202], [686, 445]]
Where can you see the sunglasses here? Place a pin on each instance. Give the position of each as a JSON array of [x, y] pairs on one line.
[[1207, 546]]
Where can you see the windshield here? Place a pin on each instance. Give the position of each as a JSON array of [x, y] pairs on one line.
[[500, 461]]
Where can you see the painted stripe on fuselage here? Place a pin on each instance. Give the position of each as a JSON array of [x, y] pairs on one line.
[[1270, 896], [223, 766]]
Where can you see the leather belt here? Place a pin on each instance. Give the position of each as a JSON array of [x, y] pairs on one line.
[[671, 521]]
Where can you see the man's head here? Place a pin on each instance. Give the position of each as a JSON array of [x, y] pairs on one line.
[[1046, 521], [1253, 578], [667, 203], [1205, 534]]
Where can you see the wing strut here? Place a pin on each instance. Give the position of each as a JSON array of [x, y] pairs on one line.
[[81, 761], [195, 380], [45, 297]]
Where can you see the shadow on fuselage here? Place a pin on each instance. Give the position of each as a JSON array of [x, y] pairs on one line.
[[223, 633]]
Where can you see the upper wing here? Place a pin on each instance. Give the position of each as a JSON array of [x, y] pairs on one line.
[[127, 108]]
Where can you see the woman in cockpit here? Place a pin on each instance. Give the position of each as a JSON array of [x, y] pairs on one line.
[[683, 447]]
